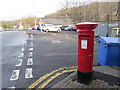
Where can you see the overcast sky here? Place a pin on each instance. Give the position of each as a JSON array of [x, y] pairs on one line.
[[15, 9], [12, 9]]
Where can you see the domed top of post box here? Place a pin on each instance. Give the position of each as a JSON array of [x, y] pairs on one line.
[[86, 26]]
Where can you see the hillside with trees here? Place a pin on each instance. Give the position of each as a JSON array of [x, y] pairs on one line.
[[26, 22], [97, 11]]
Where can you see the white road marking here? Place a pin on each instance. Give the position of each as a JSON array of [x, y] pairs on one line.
[[22, 49], [21, 55], [25, 43], [31, 35], [30, 49], [28, 73], [56, 41], [27, 36], [19, 63], [30, 61], [30, 54], [31, 44], [15, 75], [11, 88]]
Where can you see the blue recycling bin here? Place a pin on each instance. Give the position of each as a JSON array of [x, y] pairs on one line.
[[109, 51]]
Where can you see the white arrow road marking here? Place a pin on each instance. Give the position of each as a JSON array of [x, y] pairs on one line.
[[19, 62], [56, 41], [15, 75], [22, 49], [28, 73], [30, 54], [21, 55], [30, 49], [30, 61]]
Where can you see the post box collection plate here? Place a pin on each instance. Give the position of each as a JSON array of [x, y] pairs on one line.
[[83, 44]]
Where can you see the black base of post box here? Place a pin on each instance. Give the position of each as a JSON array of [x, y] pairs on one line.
[[83, 77]]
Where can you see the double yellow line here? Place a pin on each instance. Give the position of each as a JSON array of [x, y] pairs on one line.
[[58, 72]]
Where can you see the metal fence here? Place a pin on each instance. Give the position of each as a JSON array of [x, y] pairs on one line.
[[105, 28]]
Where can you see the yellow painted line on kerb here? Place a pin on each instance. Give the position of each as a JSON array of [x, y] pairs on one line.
[[47, 75], [53, 77]]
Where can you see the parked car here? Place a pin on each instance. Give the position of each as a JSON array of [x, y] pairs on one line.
[[38, 27], [68, 28], [50, 28], [74, 28], [34, 27], [1, 29], [63, 27]]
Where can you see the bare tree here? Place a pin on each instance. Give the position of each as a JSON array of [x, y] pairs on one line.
[[118, 11]]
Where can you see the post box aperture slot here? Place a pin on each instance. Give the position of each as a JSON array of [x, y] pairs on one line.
[[84, 35]]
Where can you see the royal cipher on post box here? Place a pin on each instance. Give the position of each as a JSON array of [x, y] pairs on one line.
[[85, 51]]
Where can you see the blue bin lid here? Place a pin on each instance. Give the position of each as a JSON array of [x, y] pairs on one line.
[[110, 40]]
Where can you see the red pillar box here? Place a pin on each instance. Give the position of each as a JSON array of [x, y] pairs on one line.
[[85, 51]]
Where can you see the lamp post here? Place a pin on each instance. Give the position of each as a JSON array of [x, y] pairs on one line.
[[40, 20], [40, 25], [35, 21]]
